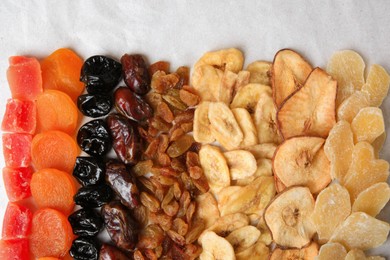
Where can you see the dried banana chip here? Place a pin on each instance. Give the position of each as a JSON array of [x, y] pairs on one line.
[[247, 126], [226, 59], [259, 72], [242, 164], [207, 208], [215, 247], [206, 80], [260, 151], [255, 252], [248, 96], [243, 238], [202, 125], [306, 253]]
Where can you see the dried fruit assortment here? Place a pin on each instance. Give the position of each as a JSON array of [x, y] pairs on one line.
[[277, 160]]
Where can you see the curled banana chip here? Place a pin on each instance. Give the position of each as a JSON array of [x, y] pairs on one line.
[[226, 59], [215, 247]]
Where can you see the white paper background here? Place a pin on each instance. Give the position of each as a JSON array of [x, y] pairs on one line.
[[181, 31]]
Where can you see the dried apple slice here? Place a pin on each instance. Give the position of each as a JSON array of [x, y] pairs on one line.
[[260, 151], [288, 73], [338, 148], [302, 161], [373, 199], [247, 126], [259, 72], [331, 251], [265, 120], [214, 167], [311, 109], [226, 59], [224, 126], [279, 186], [206, 80], [288, 217], [349, 108], [377, 84], [242, 164], [347, 67], [215, 247], [202, 125], [243, 238], [361, 231], [207, 208], [248, 96], [306, 253], [368, 124], [332, 207], [365, 170], [255, 252], [378, 144]]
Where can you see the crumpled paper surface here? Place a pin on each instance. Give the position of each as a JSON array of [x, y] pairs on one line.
[[181, 31]]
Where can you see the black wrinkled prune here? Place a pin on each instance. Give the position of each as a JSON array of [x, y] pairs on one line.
[[94, 138], [93, 196], [122, 228], [135, 73], [94, 105], [86, 222], [108, 252], [85, 248], [123, 183], [131, 105], [101, 74], [126, 140], [89, 170]]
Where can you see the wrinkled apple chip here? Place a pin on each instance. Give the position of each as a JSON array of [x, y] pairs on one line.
[[302, 161], [206, 80], [368, 124], [332, 207], [306, 253], [347, 67], [377, 85], [361, 231], [255, 252], [207, 208], [365, 170], [349, 108], [247, 126], [338, 148], [288, 73], [288, 217], [259, 72], [373, 199], [248, 96], [331, 251], [226, 59], [242, 164], [202, 125], [311, 109], [243, 238]]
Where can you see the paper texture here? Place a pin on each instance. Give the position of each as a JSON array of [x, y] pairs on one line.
[[181, 31]]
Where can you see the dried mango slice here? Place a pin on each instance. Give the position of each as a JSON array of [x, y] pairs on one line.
[[338, 148], [378, 144], [349, 108], [373, 199], [377, 84], [347, 67], [332, 207], [368, 124], [331, 251], [365, 170], [361, 231]]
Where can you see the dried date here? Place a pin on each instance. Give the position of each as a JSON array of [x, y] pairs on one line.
[[135, 73], [109, 252], [131, 105]]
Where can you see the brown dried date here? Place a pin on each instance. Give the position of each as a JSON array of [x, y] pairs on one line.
[[131, 105], [123, 183], [120, 225], [135, 73], [126, 139], [108, 252]]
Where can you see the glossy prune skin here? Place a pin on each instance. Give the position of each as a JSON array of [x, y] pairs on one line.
[[126, 140], [123, 183], [131, 105], [89, 170], [94, 138], [108, 252], [122, 228], [100, 74], [85, 222], [85, 248], [94, 105], [93, 196], [135, 73]]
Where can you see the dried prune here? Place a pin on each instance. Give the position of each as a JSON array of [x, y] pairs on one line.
[[94, 105], [135, 73], [108, 252], [101, 74], [85, 248], [120, 225], [131, 105], [123, 183], [86, 222], [94, 138], [126, 140], [89, 170], [93, 196]]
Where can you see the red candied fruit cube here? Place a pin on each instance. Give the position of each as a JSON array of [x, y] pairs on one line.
[[24, 77], [16, 150], [15, 249], [17, 221], [20, 116], [17, 183]]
